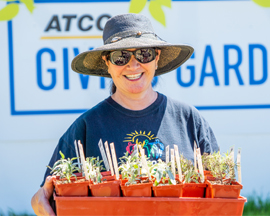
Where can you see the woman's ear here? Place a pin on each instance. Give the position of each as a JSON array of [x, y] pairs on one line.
[[157, 57], [106, 60]]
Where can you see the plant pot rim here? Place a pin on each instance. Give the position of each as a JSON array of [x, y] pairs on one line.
[[138, 185], [235, 185], [105, 183]]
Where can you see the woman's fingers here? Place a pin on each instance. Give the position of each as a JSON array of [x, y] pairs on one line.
[[48, 186], [40, 201]]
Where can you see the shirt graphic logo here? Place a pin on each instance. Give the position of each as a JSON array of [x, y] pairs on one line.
[[152, 145]]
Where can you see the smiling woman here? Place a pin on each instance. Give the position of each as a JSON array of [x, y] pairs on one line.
[[134, 114]]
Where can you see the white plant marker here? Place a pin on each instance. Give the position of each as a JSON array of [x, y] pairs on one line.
[[232, 153], [83, 160], [144, 162], [239, 165], [77, 154], [103, 154], [114, 160], [172, 162], [200, 164], [109, 157], [195, 154], [177, 158], [135, 152], [167, 156]]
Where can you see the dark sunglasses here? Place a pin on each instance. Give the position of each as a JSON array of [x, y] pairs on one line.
[[122, 57]]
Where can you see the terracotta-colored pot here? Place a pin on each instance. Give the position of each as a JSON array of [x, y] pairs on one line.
[[168, 190], [106, 173], [130, 206], [223, 191], [108, 178], [194, 189], [208, 175], [106, 189], [137, 190], [74, 188]]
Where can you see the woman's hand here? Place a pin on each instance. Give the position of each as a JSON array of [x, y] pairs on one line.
[[40, 201]]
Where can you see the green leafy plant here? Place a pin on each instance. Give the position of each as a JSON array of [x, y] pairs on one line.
[[222, 167], [188, 170], [94, 167], [12, 9], [205, 161], [263, 3], [65, 168], [129, 168], [185, 164], [190, 176], [159, 171], [155, 8]]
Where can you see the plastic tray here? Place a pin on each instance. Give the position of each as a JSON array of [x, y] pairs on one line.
[[148, 206]]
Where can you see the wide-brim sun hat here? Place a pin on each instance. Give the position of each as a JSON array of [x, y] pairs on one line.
[[127, 31]]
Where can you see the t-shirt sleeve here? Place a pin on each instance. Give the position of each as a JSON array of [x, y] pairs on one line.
[[205, 137], [66, 144]]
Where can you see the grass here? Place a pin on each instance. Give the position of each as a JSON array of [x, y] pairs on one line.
[[256, 206], [12, 213]]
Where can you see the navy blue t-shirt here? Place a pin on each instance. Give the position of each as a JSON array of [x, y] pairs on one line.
[[164, 122]]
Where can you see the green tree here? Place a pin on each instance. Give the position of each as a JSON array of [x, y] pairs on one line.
[[155, 8], [12, 9]]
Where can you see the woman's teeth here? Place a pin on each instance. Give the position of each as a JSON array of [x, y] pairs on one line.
[[133, 76]]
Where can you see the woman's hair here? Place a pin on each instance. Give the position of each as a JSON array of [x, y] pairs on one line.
[[113, 88]]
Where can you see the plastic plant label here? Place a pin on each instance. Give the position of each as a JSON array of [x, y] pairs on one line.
[[114, 160], [109, 157], [173, 162], [77, 154], [232, 153], [239, 166], [83, 160], [103, 154], [167, 154], [177, 158], [144, 162], [198, 151], [195, 160], [135, 151]]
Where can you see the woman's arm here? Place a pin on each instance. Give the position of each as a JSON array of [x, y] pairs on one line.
[[40, 201]]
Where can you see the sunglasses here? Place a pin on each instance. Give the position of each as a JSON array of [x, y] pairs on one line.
[[122, 57]]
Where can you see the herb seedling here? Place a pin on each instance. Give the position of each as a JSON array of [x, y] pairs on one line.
[[65, 168], [222, 167], [94, 167], [159, 171], [129, 168]]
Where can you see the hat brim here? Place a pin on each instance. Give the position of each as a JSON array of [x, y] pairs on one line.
[[171, 57]]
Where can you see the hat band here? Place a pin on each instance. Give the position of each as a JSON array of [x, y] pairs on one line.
[[116, 37]]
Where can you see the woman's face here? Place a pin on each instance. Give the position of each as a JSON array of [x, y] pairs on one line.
[[134, 77]]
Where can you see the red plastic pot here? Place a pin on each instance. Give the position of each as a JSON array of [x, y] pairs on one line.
[[71, 189], [137, 190], [108, 178], [168, 190], [223, 191], [106, 173], [160, 206], [106, 189], [194, 189]]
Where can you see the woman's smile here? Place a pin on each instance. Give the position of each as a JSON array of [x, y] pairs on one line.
[[134, 77]]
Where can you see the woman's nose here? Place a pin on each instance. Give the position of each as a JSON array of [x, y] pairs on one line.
[[133, 63]]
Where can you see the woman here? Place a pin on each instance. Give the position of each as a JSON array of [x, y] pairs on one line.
[[132, 55]]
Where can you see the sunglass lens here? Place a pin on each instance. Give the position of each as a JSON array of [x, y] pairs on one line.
[[145, 55], [120, 57]]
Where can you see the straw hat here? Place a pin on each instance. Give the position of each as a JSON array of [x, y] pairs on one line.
[[128, 31]]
